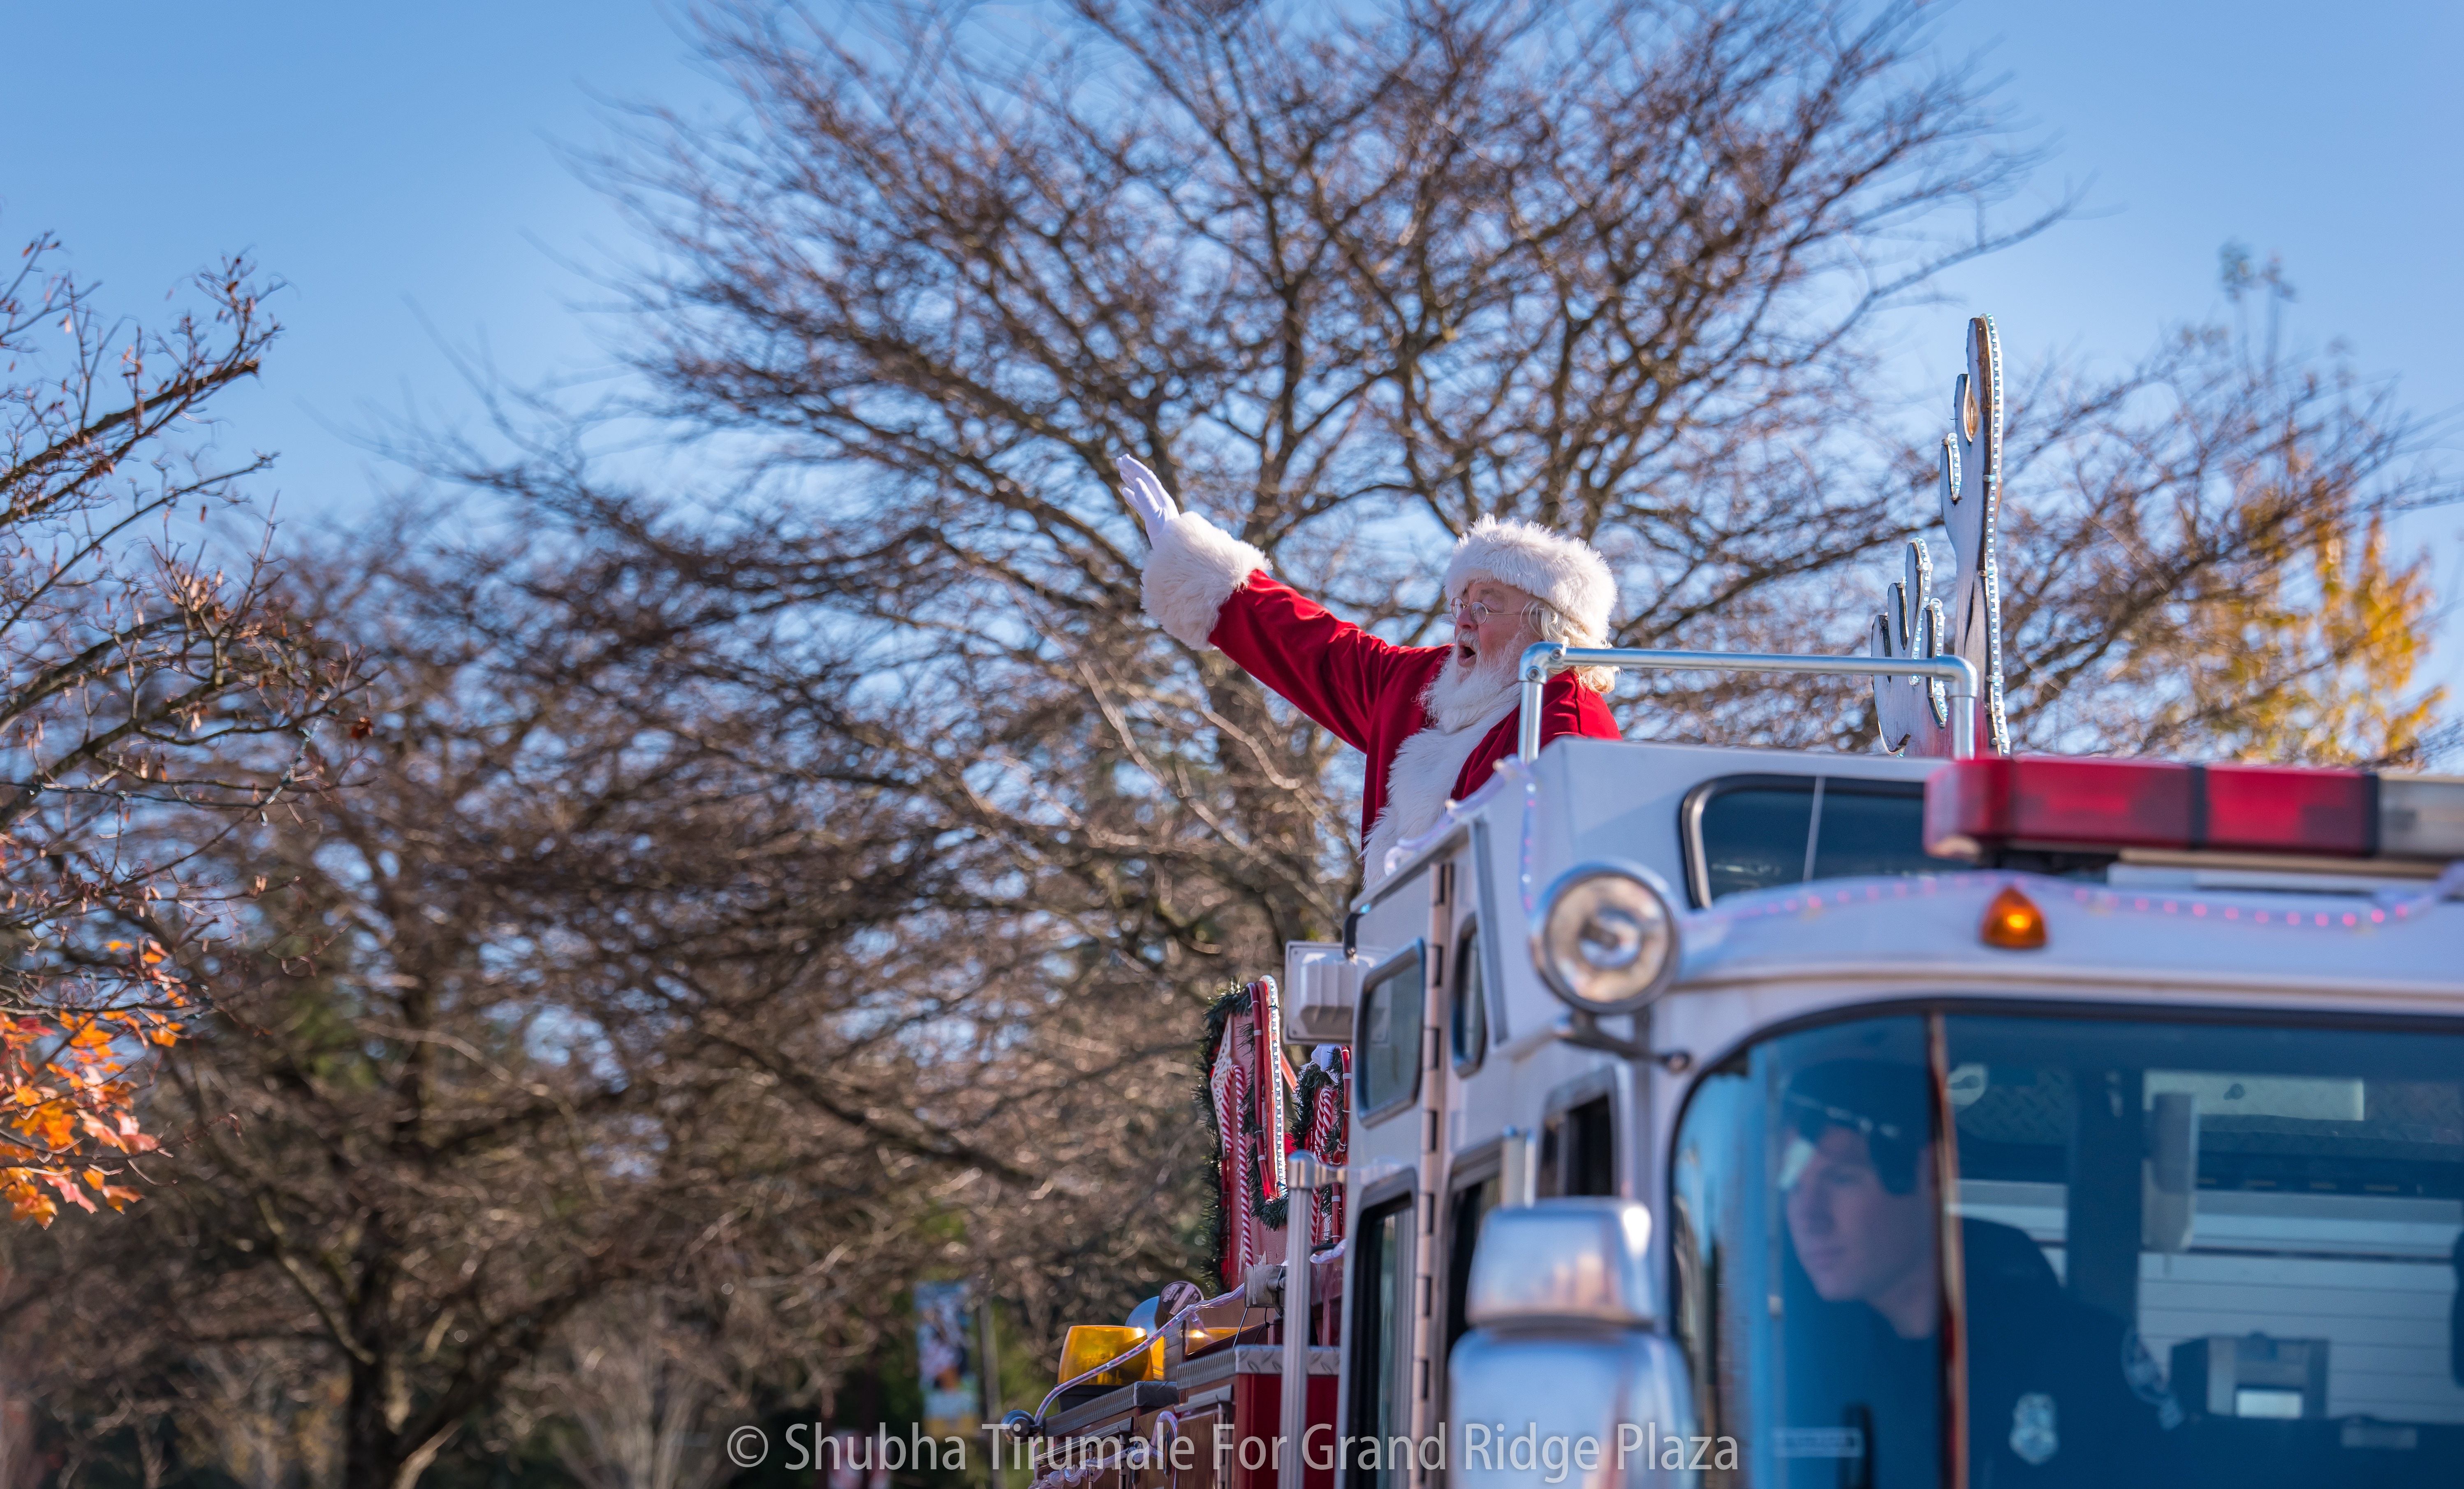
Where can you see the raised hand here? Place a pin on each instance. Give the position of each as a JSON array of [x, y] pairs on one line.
[[1146, 497]]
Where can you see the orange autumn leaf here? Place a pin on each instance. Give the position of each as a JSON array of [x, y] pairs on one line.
[[106, 1133], [26, 1201], [50, 1128]]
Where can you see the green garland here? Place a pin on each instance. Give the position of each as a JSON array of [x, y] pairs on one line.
[[1314, 1077], [1274, 1212], [1233, 1000]]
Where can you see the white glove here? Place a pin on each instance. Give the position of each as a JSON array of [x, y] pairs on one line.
[[1146, 497]]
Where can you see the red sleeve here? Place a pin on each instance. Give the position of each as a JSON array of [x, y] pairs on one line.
[[1329, 669]]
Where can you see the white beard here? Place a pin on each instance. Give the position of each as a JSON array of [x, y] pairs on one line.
[[1464, 704], [1459, 697]]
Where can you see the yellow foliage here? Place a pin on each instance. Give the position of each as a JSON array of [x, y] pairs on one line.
[[2350, 648]]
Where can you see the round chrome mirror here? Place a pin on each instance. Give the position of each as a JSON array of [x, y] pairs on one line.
[[1606, 940]]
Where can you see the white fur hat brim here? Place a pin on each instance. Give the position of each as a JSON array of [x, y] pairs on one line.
[[1566, 572]]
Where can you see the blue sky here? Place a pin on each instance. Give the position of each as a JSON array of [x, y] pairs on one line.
[[2316, 132], [396, 164]]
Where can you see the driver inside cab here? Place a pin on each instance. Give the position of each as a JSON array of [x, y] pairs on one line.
[[2058, 1393]]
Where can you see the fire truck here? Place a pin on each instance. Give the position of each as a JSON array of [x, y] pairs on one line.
[[1942, 1116]]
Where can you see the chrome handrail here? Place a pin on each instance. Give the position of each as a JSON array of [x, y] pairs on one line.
[[1957, 674]]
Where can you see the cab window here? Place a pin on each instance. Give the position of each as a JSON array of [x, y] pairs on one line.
[[2186, 1255], [1379, 1331], [1469, 1205], [1386, 1045], [1579, 1151], [1762, 832], [1468, 1006]]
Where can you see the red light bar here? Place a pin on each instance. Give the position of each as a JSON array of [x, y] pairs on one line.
[[1984, 808], [2282, 809], [1978, 806]]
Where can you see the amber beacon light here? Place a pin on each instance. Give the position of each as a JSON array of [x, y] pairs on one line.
[[2013, 922], [1090, 1345]]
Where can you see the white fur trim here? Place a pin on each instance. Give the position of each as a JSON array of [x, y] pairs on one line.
[[1194, 569], [1421, 780], [1566, 572]]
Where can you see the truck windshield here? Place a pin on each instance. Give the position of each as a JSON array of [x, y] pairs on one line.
[[2143, 1253]]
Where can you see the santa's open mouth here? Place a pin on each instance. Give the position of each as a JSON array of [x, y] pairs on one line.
[[1466, 652]]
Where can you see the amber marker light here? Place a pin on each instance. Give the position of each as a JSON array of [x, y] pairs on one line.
[[2013, 922], [1087, 1346]]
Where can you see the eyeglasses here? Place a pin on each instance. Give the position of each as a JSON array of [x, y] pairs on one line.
[[1477, 612]]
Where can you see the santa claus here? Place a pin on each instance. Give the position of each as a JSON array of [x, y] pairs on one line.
[[1435, 721]]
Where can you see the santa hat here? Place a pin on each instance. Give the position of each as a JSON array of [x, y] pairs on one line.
[[1566, 572]]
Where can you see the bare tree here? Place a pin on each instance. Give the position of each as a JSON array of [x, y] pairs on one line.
[[558, 998], [804, 873], [1348, 283], [638, 1396], [1348, 280], [264, 1414], [150, 698], [1351, 280]]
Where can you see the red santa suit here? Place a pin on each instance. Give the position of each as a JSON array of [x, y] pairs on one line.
[[1428, 742]]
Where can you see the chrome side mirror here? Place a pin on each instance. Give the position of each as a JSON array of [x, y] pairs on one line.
[[1563, 1261], [1561, 1379]]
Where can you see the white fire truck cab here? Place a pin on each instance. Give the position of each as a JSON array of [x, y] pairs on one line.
[[1856, 1122], [1692, 1094]]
